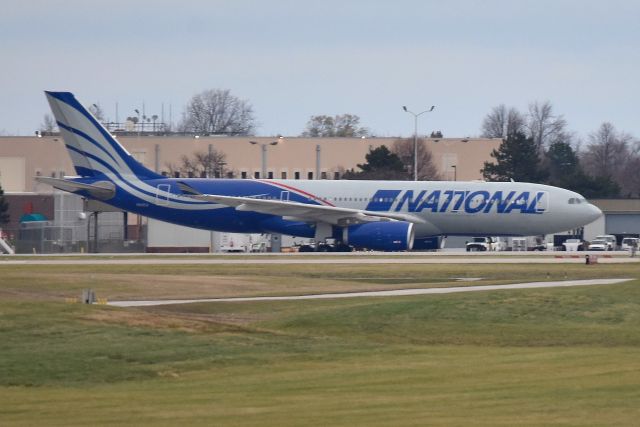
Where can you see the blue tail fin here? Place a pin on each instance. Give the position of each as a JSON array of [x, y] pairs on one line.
[[93, 150]]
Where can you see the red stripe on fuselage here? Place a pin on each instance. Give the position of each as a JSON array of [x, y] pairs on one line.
[[309, 195]]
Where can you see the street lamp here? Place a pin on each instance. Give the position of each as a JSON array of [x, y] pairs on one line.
[[276, 239], [415, 137], [264, 154], [137, 122]]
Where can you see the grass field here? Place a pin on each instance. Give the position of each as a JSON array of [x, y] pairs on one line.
[[520, 357]]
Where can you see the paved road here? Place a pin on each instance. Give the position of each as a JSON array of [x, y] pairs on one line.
[[398, 292], [470, 259]]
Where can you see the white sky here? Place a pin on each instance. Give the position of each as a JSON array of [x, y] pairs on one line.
[[294, 59]]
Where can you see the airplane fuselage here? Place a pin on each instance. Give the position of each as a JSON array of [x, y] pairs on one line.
[[447, 208]]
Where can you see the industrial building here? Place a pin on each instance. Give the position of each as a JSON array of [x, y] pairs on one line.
[[23, 158]]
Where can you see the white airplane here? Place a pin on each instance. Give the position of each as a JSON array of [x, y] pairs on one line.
[[380, 215]]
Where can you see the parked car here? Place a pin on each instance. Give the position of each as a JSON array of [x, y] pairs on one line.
[[573, 245], [599, 245], [610, 241], [629, 242]]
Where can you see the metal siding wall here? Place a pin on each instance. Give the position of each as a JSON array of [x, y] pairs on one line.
[[622, 223]]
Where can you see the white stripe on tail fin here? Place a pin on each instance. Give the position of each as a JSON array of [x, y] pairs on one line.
[[94, 151]]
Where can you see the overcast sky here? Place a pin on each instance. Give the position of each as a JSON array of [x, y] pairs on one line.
[[294, 59]]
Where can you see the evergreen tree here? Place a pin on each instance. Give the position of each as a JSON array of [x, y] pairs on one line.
[[381, 164], [563, 166], [516, 159], [566, 172], [597, 187], [4, 208]]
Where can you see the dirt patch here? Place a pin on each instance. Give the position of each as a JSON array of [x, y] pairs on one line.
[[124, 286], [61, 285], [209, 323]]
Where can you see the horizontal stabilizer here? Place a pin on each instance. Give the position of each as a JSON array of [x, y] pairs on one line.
[[102, 190], [187, 189]]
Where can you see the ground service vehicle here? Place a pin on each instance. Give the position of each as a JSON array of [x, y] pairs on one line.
[[573, 245]]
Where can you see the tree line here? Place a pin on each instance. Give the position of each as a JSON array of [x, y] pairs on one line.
[[219, 112], [538, 147]]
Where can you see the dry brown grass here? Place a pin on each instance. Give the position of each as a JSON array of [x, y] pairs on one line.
[[187, 322], [56, 285]]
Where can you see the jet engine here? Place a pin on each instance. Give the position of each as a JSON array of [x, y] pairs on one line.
[[380, 236]]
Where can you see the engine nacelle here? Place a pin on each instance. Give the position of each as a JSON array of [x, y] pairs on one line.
[[380, 236]]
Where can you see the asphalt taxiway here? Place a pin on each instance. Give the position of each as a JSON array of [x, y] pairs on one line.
[[389, 293], [348, 258]]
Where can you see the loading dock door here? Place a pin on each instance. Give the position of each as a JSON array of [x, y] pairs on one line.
[[622, 223]]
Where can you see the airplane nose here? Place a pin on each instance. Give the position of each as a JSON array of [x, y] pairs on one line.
[[593, 213]]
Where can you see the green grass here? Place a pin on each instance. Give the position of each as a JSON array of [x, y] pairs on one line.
[[519, 357]]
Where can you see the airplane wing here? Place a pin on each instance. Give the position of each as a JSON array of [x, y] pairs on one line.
[[101, 190], [295, 211]]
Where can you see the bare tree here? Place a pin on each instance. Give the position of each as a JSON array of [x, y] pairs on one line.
[[320, 126], [543, 126], [48, 124], [427, 170], [212, 163], [201, 164], [502, 121], [348, 125], [631, 182], [217, 111], [340, 125], [613, 154], [97, 112], [606, 151]]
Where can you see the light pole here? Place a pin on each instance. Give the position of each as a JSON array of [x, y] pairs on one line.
[[276, 239], [318, 151], [264, 155], [137, 123], [415, 137]]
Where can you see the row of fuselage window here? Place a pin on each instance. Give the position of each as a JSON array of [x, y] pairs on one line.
[[256, 175], [243, 175]]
